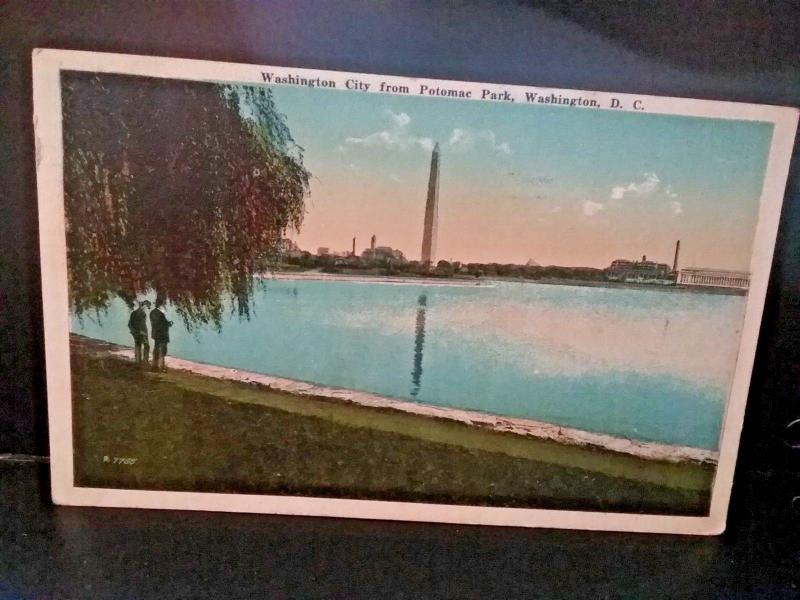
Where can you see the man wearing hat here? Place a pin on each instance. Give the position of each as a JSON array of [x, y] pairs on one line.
[[159, 324], [137, 325]]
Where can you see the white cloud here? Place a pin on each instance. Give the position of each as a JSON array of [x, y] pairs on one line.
[[460, 139], [398, 119], [668, 191], [649, 184], [617, 192], [555, 209], [488, 136], [426, 143], [677, 207], [396, 136], [592, 208], [464, 139]]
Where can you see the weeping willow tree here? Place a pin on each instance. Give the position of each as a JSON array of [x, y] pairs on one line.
[[180, 188]]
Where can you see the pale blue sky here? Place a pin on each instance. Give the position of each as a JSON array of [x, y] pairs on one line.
[[559, 185]]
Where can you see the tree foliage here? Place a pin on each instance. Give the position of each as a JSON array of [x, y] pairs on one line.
[[182, 188]]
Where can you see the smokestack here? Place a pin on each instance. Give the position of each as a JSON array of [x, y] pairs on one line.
[[354, 246], [372, 242], [677, 252]]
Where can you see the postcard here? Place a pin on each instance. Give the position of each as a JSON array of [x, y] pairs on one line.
[[283, 290]]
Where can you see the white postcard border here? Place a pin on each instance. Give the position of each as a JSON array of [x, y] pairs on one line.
[[47, 64]]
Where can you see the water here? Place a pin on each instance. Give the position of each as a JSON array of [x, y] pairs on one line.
[[647, 365]]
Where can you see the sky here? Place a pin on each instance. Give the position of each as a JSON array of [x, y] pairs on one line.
[[560, 186]]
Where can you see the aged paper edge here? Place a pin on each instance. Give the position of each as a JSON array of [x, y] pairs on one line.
[[47, 64]]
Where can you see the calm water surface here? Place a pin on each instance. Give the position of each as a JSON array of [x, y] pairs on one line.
[[641, 364]]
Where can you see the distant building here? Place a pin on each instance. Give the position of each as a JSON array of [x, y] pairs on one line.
[[346, 260], [383, 255], [289, 249], [639, 271], [531, 263], [323, 251], [718, 278]]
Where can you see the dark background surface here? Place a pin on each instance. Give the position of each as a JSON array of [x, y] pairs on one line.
[[740, 51]]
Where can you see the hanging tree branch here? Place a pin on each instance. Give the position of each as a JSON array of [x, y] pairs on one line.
[[182, 188]]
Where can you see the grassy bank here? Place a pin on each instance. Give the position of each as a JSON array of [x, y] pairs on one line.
[[181, 431]]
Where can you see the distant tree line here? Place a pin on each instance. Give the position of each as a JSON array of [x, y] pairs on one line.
[[443, 268]]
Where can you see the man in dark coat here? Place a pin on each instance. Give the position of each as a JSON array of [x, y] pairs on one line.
[[137, 325], [159, 326]]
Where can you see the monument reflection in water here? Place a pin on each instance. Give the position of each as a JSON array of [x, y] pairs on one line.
[[593, 358], [419, 345]]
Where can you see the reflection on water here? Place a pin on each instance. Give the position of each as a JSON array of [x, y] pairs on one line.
[[650, 365], [419, 343]]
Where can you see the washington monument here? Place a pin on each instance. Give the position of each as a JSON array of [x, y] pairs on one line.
[[431, 212]]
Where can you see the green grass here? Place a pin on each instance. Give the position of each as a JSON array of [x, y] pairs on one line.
[[192, 433]]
